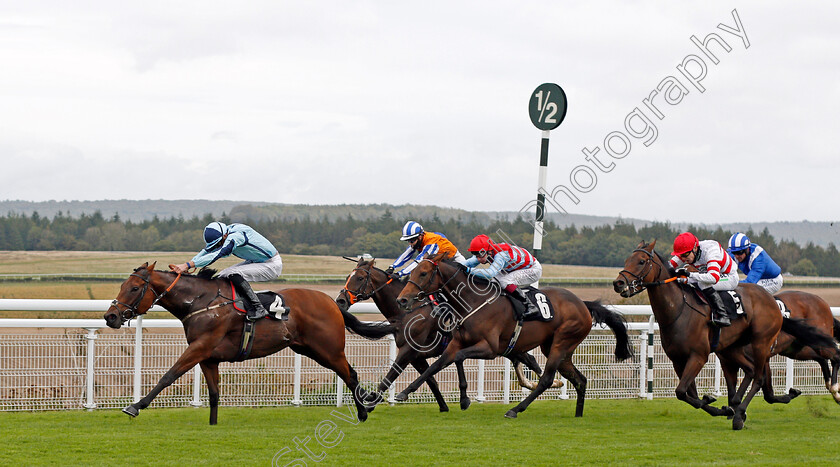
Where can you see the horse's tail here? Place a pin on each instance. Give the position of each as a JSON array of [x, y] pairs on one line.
[[367, 330], [836, 330], [615, 321], [807, 335]]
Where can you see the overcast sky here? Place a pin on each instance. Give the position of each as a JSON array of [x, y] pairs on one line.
[[332, 102]]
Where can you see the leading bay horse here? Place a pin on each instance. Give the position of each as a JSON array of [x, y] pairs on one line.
[[214, 328], [485, 326], [686, 335], [419, 334]]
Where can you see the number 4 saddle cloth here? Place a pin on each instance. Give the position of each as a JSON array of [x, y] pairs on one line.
[[546, 310]]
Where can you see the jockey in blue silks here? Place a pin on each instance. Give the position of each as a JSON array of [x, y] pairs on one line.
[[261, 260]]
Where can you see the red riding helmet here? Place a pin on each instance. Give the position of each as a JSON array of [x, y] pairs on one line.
[[684, 243], [480, 243]]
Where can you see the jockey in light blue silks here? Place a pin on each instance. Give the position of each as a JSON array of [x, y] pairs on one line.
[[755, 263], [262, 263]]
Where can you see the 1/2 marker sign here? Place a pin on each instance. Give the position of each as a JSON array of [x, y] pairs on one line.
[[547, 107]]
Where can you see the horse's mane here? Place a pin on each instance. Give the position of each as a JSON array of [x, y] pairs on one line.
[[476, 279], [206, 273]]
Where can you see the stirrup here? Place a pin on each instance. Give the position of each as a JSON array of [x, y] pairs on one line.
[[720, 320]]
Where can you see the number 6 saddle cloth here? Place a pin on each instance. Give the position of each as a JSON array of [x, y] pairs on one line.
[[546, 310]]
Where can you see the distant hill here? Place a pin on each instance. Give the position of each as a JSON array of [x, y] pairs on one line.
[[820, 233]]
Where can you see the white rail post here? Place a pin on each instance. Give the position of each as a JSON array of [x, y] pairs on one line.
[[339, 391], [91, 355], [196, 400], [138, 357], [479, 397], [651, 331], [788, 373], [392, 357], [296, 401], [717, 392], [643, 338], [506, 383]]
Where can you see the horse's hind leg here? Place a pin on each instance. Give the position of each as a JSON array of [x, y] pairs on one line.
[[571, 373], [835, 386], [210, 368], [545, 381], [339, 364]]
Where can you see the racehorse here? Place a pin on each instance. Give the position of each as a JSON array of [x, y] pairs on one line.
[[485, 326], [419, 335], [214, 329], [813, 310], [685, 333]]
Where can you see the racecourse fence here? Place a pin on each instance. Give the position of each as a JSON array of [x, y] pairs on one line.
[[58, 364]]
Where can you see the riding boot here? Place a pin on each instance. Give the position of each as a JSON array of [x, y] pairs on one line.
[[531, 306], [256, 311], [719, 317]]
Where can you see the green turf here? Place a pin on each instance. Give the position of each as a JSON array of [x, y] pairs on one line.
[[626, 432]]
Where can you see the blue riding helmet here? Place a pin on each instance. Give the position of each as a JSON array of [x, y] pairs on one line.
[[411, 230], [738, 242], [213, 234]]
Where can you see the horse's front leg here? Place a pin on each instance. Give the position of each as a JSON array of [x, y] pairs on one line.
[[210, 368], [194, 354], [446, 358], [686, 391]]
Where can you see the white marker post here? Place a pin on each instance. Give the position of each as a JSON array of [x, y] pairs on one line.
[[547, 109]]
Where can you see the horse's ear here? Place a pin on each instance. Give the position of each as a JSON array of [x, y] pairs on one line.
[[641, 244], [152, 267], [440, 257], [651, 245]]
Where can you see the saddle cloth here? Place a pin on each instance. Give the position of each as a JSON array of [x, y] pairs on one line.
[[731, 302], [783, 308], [271, 301], [546, 310]]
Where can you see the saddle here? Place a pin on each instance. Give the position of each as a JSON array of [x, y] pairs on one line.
[[546, 312], [731, 302], [271, 301]]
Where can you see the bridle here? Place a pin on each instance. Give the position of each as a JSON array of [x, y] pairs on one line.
[[354, 297], [637, 285], [435, 272], [132, 311]]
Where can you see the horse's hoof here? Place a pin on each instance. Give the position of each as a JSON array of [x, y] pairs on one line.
[[363, 414], [444, 408], [707, 399], [401, 397], [465, 403], [793, 392], [510, 414], [737, 424], [730, 414], [131, 410]]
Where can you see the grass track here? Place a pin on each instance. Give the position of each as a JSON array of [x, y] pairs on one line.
[[626, 432]]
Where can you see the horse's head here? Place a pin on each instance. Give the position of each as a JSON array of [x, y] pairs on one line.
[[359, 285], [133, 299], [642, 266], [424, 279]]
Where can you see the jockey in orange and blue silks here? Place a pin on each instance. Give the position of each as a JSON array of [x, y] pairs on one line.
[[511, 265], [422, 244], [262, 262]]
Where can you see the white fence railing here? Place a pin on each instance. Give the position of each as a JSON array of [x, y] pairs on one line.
[[48, 364]]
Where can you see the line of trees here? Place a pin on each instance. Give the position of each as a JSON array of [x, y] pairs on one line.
[[607, 245]]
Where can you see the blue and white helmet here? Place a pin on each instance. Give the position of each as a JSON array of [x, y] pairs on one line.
[[213, 234], [411, 230], [738, 242]]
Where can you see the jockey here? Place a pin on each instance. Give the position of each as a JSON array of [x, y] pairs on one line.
[[511, 265], [420, 245], [755, 263], [716, 269], [262, 263]]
